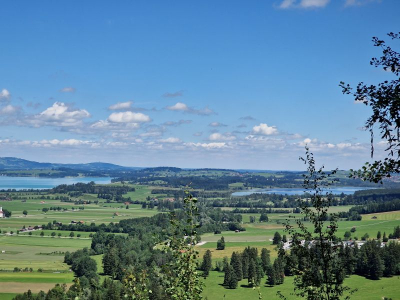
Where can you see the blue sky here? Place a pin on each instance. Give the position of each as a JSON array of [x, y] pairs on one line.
[[227, 84]]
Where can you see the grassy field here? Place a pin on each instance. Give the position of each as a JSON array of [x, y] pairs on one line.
[[260, 234], [367, 289], [37, 252], [92, 213]]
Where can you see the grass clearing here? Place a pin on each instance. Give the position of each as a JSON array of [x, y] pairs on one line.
[[367, 289]]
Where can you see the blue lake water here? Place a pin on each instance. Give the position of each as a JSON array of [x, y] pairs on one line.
[[20, 183], [347, 190]]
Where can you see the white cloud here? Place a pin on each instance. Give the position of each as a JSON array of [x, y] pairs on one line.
[[59, 114], [56, 142], [217, 124], [179, 106], [9, 109], [68, 90], [105, 125], [171, 140], [128, 117], [286, 4], [207, 145], [314, 3], [307, 141], [221, 137], [5, 94], [264, 129], [121, 105], [359, 2]]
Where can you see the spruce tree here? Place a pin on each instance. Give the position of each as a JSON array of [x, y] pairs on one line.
[[265, 259], [271, 280], [236, 263], [277, 239], [252, 273], [245, 264], [207, 263], [233, 283]]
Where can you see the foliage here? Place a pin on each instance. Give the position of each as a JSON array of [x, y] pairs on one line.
[[182, 279], [319, 273], [385, 103]]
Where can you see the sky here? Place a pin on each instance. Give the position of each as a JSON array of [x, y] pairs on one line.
[[193, 84]]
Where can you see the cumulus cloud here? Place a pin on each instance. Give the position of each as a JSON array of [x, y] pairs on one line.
[[121, 105], [68, 89], [286, 4], [128, 117], [217, 124], [173, 95], [171, 140], [5, 95], [59, 114], [221, 137], [264, 129], [179, 106], [198, 134]]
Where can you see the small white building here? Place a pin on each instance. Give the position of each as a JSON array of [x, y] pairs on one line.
[[2, 215]]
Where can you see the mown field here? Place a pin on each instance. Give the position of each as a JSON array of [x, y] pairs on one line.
[[367, 289]]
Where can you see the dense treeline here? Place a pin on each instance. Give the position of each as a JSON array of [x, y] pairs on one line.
[[198, 194], [92, 188], [211, 220], [371, 196], [376, 207]]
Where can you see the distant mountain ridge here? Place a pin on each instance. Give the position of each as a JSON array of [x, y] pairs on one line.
[[13, 163]]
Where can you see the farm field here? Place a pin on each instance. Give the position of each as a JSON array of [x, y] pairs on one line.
[[92, 213], [37, 252]]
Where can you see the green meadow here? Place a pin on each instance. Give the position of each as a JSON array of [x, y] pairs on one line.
[[367, 289]]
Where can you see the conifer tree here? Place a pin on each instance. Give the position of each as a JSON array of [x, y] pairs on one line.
[[236, 263], [207, 263], [245, 264], [252, 273], [221, 244], [277, 239], [265, 259]]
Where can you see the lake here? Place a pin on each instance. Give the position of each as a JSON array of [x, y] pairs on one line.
[[347, 190], [20, 183]]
